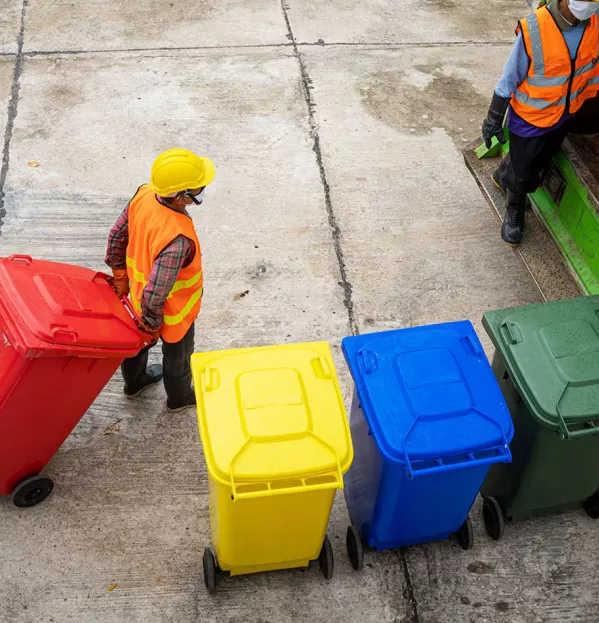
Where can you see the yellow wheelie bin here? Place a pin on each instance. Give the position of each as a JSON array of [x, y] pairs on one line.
[[276, 441]]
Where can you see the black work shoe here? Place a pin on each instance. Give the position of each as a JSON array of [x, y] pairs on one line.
[[499, 173], [152, 375], [179, 392], [498, 179], [513, 223], [173, 405]]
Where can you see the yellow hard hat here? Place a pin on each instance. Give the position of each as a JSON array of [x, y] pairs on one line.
[[176, 170]]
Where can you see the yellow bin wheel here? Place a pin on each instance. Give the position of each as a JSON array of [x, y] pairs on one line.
[[326, 560], [211, 569]]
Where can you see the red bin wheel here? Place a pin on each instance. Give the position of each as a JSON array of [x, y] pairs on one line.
[[32, 491]]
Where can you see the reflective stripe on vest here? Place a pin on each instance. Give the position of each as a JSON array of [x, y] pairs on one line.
[[543, 104], [179, 285], [543, 96]]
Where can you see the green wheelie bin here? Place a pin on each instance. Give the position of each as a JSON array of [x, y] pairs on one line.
[[547, 365]]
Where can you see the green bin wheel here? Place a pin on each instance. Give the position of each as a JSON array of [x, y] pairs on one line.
[[465, 535], [32, 491], [591, 506], [210, 569], [325, 560], [355, 551], [493, 518]]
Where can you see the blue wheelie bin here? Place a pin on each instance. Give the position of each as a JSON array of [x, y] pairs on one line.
[[427, 421]]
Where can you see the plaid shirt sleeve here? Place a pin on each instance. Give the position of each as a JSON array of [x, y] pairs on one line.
[[175, 256], [118, 239]]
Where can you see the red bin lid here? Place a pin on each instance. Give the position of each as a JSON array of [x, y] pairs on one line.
[[65, 306]]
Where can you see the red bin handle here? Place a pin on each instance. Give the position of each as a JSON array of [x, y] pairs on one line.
[[66, 332], [147, 339], [16, 257]]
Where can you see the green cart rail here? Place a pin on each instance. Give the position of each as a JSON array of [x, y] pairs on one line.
[[567, 204]]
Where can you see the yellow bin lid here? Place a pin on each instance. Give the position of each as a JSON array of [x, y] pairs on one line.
[[272, 419]]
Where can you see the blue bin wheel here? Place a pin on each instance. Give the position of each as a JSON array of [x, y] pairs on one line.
[[493, 518], [325, 560], [210, 569], [32, 491], [355, 550], [465, 535], [591, 506]]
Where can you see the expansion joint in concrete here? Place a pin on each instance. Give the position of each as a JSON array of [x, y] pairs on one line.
[[13, 103], [335, 230]]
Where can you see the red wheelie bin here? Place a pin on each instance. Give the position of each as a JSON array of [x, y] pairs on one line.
[[63, 334]]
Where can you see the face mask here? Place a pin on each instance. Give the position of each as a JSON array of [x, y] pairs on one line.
[[583, 10]]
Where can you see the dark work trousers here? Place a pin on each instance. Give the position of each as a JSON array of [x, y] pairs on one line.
[[175, 363], [530, 156]]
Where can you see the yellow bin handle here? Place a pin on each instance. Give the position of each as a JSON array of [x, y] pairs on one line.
[[268, 490]]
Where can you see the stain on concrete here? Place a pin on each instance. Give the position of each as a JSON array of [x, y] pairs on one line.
[[440, 4], [62, 95], [428, 98], [480, 567], [502, 606], [35, 133], [468, 20]]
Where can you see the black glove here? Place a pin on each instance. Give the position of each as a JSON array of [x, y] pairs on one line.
[[493, 124]]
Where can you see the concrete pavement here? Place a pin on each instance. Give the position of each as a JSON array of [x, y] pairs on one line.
[[341, 203]]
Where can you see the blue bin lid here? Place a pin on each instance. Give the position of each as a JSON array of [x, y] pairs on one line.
[[428, 392]]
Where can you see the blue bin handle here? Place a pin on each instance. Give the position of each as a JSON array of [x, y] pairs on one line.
[[503, 454], [367, 360]]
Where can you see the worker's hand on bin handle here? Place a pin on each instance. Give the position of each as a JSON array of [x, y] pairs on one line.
[[153, 334], [493, 124], [120, 284]]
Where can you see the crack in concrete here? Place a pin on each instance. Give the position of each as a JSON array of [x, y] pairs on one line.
[[335, 230], [390, 45], [12, 110], [33, 53], [410, 595]]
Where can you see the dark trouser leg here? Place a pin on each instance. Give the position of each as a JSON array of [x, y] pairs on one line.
[[499, 172], [136, 373], [527, 161], [586, 120], [529, 157], [177, 371], [134, 369]]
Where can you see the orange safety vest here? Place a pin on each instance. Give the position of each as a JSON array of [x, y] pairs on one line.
[[152, 227], [555, 83]]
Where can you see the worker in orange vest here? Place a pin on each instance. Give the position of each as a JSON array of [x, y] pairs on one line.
[[551, 72], [155, 256]]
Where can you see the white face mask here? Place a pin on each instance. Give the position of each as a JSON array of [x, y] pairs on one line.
[[583, 10], [200, 195]]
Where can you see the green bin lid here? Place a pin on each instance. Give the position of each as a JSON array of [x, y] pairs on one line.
[[551, 351]]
